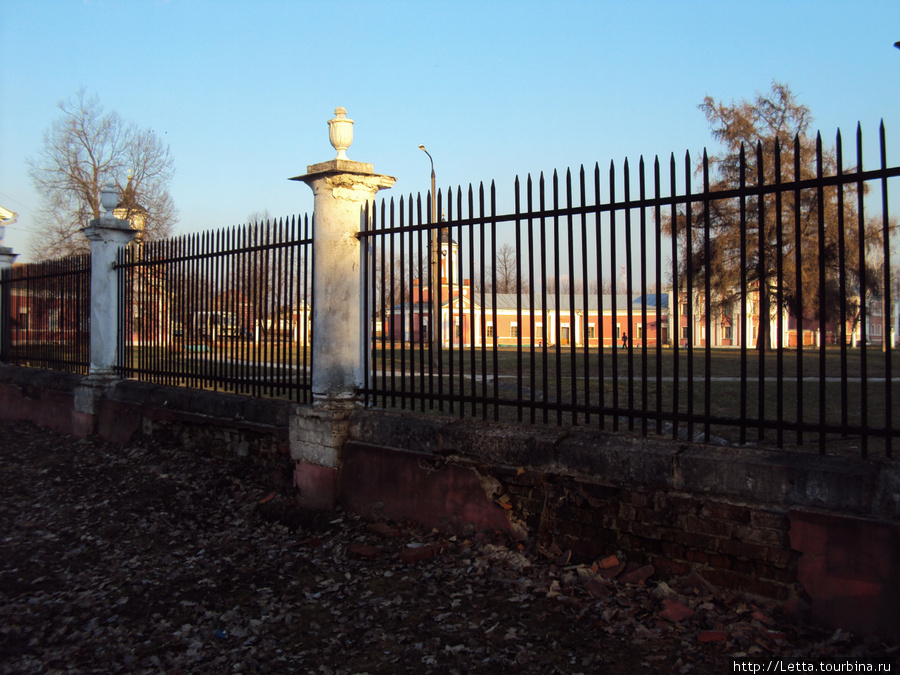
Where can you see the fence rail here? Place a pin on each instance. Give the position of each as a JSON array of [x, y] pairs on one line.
[[225, 310], [756, 310], [45, 310]]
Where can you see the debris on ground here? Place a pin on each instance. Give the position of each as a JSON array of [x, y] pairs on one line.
[[148, 558]]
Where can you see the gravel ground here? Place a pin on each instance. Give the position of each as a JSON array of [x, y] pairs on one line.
[[147, 558]]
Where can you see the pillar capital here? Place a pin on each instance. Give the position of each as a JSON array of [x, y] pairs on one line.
[[109, 230], [346, 173], [346, 185], [7, 257]]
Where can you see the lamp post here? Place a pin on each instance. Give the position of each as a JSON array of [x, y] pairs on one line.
[[435, 318], [433, 195]]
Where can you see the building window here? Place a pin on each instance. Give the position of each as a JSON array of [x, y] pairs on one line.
[[489, 330], [640, 331], [684, 332], [727, 330], [592, 331], [539, 331], [513, 330], [618, 331]]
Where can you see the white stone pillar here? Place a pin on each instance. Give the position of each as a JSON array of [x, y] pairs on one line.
[[342, 188], [106, 234], [7, 258]]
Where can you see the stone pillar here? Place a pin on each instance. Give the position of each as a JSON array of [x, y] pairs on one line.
[[106, 234], [7, 258], [342, 188]]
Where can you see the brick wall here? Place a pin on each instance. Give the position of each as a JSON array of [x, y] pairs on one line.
[[733, 545]]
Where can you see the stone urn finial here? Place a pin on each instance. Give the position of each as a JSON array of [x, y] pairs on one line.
[[109, 199], [340, 131]]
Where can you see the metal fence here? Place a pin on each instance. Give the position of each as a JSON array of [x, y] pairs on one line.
[[758, 309], [756, 306], [226, 310], [45, 314]]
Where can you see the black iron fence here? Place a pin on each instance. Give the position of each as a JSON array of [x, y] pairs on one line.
[[752, 304], [45, 314], [226, 310], [757, 306]]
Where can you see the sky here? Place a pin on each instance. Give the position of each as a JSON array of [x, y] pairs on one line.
[[241, 92]]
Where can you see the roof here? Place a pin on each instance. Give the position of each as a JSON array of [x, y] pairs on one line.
[[129, 200], [510, 300]]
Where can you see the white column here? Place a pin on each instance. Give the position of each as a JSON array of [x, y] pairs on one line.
[[107, 235], [342, 190], [7, 258]]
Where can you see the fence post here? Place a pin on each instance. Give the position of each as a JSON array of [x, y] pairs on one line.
[[7, 258], [342, 189], [106, 234]]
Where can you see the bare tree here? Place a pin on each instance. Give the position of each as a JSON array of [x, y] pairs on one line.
[[505, 276], [267, 279], [565, 284], [85, 148], [596, 288]]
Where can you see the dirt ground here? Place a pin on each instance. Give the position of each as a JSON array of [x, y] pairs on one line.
[[148, 558]]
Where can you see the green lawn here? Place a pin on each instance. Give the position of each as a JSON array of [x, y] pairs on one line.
[[628, 398]]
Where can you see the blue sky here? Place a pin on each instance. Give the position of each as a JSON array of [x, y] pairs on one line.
[[242, 91]]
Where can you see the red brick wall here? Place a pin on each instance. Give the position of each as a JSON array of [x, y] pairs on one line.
[[741, 547]]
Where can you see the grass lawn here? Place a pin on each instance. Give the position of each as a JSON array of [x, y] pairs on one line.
[[633, 388]]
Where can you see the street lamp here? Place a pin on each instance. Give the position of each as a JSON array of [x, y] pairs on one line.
[[433, 195], [434, 319]]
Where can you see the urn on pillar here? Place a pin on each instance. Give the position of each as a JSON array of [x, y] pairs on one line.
[[340, 132]]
